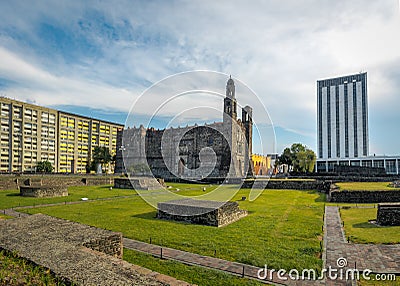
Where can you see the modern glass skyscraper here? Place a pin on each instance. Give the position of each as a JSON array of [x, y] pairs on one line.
[[342, 117]]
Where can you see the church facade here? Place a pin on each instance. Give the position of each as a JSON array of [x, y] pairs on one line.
[[207, 152]]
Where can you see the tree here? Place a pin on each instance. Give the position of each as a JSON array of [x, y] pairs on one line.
[[101, 155], [301, 158], [285, 158], [44, 167]]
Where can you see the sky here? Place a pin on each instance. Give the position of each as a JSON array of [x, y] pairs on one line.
[[96, 58]]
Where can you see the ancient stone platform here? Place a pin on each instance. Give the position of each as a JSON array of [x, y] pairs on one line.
[[139, 183], [78, 253], [388, 214], [43, 191], [203, 212]]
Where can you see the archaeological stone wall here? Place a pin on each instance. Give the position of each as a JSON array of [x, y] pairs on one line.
[[359, 171], [388, 214], [344, 178], [62, 232], [229, 213], [288, 184], [139, 183], [343, 196], [43, 191], [122, 183], [11, 182], [110, 244]]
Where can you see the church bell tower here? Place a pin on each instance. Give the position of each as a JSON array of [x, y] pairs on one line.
[[230, 105]]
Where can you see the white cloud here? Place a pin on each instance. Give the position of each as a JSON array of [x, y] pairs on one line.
[[35, 84]]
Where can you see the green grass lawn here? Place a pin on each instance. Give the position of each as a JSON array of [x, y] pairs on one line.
[[366, 186], [11, 198], [2, 216], [19, 271], [192, 274], [356, 226], [283, 228]]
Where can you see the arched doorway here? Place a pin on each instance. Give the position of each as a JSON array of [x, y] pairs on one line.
[[181, 167]]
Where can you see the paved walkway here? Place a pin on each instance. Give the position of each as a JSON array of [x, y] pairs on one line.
[[235, 268], [376, 257]]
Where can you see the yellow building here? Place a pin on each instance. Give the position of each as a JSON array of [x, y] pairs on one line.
[[30, 134], [261, 164]]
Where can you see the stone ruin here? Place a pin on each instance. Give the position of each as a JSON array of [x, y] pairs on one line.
[[388, 214], [77, 253], [33, 187], [43, 191], [42, 229], [139, 183], [211, 213]]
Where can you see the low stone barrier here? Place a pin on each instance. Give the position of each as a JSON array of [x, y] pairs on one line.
[[388, 214], [336, 178], [202, 212], [98, 181], [122, 183], [12, 182], [287, 184], [363, 197], [139, 183], [43, 191], [33, 182]]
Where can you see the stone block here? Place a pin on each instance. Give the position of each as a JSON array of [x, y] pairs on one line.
[[43, 191], [388, 214], [202, 212]]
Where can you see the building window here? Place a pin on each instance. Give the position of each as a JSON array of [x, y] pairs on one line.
[[391, 166], [378, 164]]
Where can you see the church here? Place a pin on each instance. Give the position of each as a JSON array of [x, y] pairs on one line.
[[210, 152]]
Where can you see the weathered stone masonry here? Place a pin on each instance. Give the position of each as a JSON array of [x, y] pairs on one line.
[[139, 183], [77, 253], [343, 196], [388, 214], [210, 213], [11, 182], [43, 191], [62, 231], [207, 152]]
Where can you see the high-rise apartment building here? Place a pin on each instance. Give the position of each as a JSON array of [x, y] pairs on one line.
[[342, 126], [31, 133], [342, 111]]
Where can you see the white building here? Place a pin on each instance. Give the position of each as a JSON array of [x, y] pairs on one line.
[[342, 125], [342, 117]]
